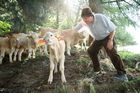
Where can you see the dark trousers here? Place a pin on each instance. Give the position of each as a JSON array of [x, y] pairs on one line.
[[115, 58]]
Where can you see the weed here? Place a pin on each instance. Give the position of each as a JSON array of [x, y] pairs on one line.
[[12, 72], [64, 89], [82, 59], [92, 89], [24, 61]]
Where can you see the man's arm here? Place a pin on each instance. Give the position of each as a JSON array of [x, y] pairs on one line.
[[79, 26], [75, 29], [111, 36], [110, 41]]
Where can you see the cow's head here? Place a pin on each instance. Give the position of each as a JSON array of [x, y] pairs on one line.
[[49, 38], [34, 35]]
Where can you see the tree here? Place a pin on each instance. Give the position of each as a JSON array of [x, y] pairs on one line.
[[24, 14]]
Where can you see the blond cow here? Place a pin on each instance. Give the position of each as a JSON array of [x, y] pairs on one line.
[[57, 49], [7, 45]]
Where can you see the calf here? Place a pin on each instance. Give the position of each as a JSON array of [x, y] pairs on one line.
[[26, 42], [7, 45], [72, 39], [84, 41], [57, 49], [42, 31]]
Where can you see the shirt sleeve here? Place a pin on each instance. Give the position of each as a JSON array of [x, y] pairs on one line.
[[109, 24]]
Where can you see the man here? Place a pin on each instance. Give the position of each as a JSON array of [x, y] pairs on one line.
[[103, 31]]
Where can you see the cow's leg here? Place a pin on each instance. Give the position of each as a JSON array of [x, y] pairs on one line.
[[10, 56], [29, 53], [20, 54], [51, 72], [15, 54], [62, 69], [82, 45], [2, 55], [34, 51], [41, 50], [45, 49], [68, 48], [1, 59], [55, 68]]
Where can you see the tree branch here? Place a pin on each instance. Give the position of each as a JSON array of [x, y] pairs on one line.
[[126, 16], [136, 2], [109, 1], [128, 3]]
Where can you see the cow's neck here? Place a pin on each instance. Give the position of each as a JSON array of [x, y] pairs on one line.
[[55, 49]]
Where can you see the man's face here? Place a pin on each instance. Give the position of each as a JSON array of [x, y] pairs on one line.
[[88, 19]]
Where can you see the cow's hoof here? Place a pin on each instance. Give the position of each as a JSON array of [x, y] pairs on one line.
[[49, 81]]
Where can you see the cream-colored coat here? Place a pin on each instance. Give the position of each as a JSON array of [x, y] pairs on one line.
[[71, 39], [57, 49]]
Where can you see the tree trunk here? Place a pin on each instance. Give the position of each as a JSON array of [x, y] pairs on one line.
[[95, 6]]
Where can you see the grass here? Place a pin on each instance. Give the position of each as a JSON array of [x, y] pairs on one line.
[[82, 59], [129, 55], [129, 58]]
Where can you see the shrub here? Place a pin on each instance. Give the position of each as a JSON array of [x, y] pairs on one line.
[[4, 28]]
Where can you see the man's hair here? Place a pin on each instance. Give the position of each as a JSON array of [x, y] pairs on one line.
[[86, 12]]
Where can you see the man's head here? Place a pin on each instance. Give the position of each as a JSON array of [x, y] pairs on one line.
[[87, 15]]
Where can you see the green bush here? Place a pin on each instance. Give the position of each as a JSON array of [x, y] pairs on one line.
[[4, 28]]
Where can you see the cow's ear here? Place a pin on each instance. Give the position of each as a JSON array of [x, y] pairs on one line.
[[28, 36], [55, 33], [31, 32]]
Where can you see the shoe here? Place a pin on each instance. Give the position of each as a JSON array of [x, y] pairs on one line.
[[121, 78], [90, 74]]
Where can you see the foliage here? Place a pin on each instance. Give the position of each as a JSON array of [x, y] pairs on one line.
[[122, 21], [11, 13], [82, 59], [123, 38], [4, 28], [92, 89], [129, 58], [129, 55], [22, 14]]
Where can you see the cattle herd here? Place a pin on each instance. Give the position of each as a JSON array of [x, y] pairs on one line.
[[15, 44]]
